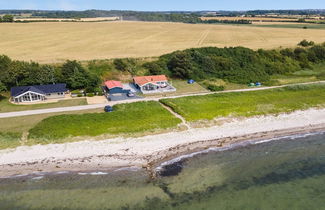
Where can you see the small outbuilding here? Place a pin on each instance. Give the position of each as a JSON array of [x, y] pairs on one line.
[[114, 87]]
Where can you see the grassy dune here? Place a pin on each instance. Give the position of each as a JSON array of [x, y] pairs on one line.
[[248, 104], [9, 140], [126, 119], [56, 42]]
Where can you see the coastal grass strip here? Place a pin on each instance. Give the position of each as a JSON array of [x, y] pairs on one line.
[[247, 104], [130, 118], [9, 140]]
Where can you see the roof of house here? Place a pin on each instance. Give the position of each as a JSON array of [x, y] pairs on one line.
[[110, 84], [149, 79], [41, 89]]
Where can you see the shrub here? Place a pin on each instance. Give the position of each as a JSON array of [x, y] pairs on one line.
[[79, 95], [306, 43], [75, 92], [215, 87], [321, 76], [90, 95], [90, 90]]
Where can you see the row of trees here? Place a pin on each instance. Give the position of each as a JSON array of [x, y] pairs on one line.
[[20, 73], [236, 64], [184, 17]]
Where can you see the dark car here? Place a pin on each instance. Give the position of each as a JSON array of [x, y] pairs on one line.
[[108, 109]]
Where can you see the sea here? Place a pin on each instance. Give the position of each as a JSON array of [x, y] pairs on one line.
[[280, 173]]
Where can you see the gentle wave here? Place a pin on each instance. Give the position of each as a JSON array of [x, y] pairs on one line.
[[233, 146]]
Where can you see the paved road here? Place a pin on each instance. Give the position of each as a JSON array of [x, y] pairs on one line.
[[96, 106]]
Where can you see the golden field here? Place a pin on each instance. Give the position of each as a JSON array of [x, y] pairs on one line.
[[266, 19], [67, 19], [57, 41]]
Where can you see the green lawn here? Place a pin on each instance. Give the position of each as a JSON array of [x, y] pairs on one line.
[[6, 106], [182, 88], [13, 128], [247, 104], [134, 118]]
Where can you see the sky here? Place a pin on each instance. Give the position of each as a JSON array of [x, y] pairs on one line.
[[161, 5]]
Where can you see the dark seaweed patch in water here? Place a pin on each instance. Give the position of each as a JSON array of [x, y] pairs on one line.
[[172, 169]]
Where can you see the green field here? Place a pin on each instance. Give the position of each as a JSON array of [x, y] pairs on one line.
[[6, 106], [14, 130], [248, 104], [126, 119]]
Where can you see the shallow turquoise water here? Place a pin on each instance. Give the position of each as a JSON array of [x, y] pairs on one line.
[[287, 173]]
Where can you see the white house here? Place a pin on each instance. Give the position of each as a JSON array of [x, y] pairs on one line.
[[153, 84], [38, 93]]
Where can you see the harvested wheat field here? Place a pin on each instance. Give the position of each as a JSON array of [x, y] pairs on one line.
[[56, 42]]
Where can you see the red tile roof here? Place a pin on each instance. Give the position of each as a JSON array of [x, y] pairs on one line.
[[110, 84], [149, 79]]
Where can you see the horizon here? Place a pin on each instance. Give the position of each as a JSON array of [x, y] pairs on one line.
[[159, 5], [62, 10]]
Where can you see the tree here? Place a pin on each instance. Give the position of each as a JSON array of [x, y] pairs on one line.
[[128, 64], [120, 64], [180, 65], [46, 75], [154, 68], [77, 77], [3, 88], [8, 18]]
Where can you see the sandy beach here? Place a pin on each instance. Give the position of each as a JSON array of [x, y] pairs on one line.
[[148, 151]]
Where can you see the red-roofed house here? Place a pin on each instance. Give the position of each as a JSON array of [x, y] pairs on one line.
[[114, 86], [153, 84]]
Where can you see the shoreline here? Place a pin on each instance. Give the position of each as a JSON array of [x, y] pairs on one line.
[[150, 151]]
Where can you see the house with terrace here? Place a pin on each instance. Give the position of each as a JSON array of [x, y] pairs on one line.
[[153, 84], [36, 93]]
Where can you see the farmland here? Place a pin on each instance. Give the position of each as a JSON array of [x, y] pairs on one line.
[[55, 42], [246, 104]]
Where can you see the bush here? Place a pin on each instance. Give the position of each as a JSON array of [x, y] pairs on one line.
[[321, 76], [215, 87], [305, 43], [75, 92], [90, 95], [90, 90], [80, 95]]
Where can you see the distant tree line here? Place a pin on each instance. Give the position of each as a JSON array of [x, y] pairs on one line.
[[111, 13], [20, 73], [236, 64]]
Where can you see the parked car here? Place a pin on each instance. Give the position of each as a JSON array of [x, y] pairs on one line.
[[163, 85], [108, 109], [190, 81], [130, 94]]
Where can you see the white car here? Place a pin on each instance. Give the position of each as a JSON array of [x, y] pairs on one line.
[[130, 94]]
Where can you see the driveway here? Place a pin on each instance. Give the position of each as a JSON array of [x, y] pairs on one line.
[[122, 97]]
